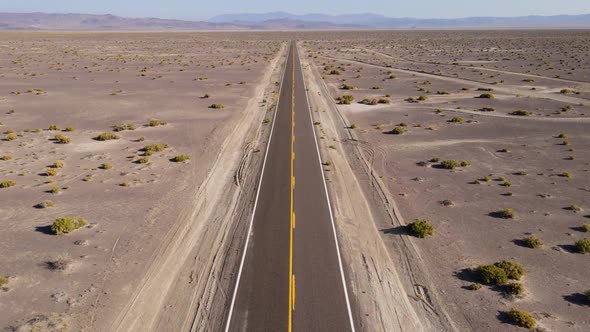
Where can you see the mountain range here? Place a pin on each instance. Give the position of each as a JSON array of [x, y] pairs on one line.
[[277, 21]]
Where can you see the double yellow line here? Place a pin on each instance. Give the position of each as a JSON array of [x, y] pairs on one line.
[[292, 212]]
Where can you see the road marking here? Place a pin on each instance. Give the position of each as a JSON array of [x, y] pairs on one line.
[[329, 204], [291, 276], [233, 300]]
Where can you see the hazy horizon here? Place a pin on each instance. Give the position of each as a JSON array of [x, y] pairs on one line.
[[186, 10]]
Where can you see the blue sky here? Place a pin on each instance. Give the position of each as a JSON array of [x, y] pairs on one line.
[[198, 9]]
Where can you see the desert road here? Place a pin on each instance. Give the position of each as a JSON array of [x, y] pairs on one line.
[[291, 276]]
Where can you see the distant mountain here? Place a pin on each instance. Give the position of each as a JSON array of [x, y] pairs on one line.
[[277, 21], [380, 21], [89, 22]]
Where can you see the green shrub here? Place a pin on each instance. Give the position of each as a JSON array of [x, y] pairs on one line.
[[586, 227], [54, 127], [67, 225], [384, 101], [55, 190], [156, 147], [583, 246], [6, 157], [488, 109], [515, 289], [335, 72], [474, 287], [51, 172], [532, 242], [486, 96], [59, 164], [11, 137], [449, 164], [345, 100], [566, 174], [217, 106], [397, 131], [348, 87], [106, 136], [491, 275], [587, 294], [367, 101], [62, 139], [422, 98], [3, 281], [181, 158], [70, 128], [465, 163], [420, 228], [456, 119], [574, 208], [7, 184], [156, 122], [521, 318], [106, 166], [142, 160], [45, 204], [130, 126], [521, 113], [562, 136], [506, 214], [513, 270]]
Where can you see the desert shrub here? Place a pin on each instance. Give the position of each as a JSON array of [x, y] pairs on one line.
[[142, 160], [474, 287], [566, 174], [67, 225], [574, 208], [7, 184], [532, 242], [587, 294], [131, 126], [376, 87], [45, 204], [51, 172], [55, 190], [434, 160], [442, 93], [106, 166], [422, 98], [54, 127], [449, 164], [352, 126], [566, 91], [521, 318], [384, 101], [583, 246], [488, 109], [348, 87], [506, 213], [11, 136], [562, 136], [6, 157], [3, 281], [156, 122], [70, 128], [345, 100], [521, 113], [486, 96], [491, 275], [513, 270], [566, 142], [456, 119], [515, 289], [505, 150], [140, 139], [59, 164], [106, 136], [62, 139], [60, 264], [367, 101], [217, 106], [335, 72], [180, 158], [420, 228], [156, 147], [487, 178], [586, 227], [507, 184], [397, 131], [465, 163]]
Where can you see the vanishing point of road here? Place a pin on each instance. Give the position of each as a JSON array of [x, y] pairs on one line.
[[291, 276]]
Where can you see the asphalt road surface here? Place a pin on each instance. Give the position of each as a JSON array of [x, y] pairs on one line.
[[291, 276]]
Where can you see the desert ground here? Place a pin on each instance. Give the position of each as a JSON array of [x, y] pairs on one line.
[[156, 140], [146, 90], [514, 106]]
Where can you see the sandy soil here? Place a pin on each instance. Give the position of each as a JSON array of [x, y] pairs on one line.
[[546, 177], [139, 214]]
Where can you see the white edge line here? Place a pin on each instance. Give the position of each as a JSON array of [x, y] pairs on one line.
[[231, 308], [328, 198]]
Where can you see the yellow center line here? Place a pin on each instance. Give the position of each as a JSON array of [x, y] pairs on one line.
[[292, 212]]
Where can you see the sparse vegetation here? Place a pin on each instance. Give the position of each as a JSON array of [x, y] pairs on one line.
[[62, 139], [583, 246], [106, 136], [156, 122], [7, 184], [67, 225], [156, 147], [54, 127], [397, 131], [180, 158], [348, 87], [449, 164], [532, 242], [345, 100], [521, 318], [420, 228]]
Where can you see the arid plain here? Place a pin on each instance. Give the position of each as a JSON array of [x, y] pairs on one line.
[[157, 139]]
